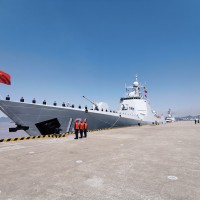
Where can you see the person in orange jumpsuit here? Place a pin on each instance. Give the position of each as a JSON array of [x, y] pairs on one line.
[[81, 126], [85, 128], [76, 129]]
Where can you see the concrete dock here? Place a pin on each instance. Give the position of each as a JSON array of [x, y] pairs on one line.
[[136, 163]]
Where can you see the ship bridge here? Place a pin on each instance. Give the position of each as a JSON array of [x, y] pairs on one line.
[[128, 98]]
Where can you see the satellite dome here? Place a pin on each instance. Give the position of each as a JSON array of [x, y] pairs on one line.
[[135, 84], [131, 94]]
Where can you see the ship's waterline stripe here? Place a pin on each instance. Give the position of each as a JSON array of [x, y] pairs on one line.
[[53, 136]]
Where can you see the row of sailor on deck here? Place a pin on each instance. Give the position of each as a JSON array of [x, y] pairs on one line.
[[63, 104], [44, 102]]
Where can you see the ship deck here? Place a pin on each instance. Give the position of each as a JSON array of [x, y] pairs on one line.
[[148, 163]]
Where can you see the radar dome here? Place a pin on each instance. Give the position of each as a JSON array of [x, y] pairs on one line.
[[131, 94], [135, 84]]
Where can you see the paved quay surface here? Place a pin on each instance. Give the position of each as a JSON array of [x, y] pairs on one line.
[[137, 163]]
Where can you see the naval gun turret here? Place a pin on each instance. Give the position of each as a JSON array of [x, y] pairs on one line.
[[94, 104], [102, 106]]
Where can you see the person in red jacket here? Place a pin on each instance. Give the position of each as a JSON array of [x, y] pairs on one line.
[[81, 126], [85, 128], [76, 129]]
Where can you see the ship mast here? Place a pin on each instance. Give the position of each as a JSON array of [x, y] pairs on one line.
[[134, 90]]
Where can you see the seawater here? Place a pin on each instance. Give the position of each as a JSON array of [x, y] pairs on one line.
[[4, 131]]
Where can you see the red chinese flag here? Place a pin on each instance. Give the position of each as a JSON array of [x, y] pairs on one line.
[[4, 78]]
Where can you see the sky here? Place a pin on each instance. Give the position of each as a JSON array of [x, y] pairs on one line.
[[60, 50]]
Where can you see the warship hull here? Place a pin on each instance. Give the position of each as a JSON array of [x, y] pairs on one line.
[[31, 117]]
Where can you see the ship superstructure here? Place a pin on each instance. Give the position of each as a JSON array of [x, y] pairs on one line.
[[41, 119], [170, 117]]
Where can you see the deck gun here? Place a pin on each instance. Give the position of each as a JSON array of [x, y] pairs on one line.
[[96, 106]]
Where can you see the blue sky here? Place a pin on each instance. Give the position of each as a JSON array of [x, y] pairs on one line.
[[62, 49]]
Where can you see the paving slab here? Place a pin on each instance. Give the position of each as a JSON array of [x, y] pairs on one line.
[[141, 163]]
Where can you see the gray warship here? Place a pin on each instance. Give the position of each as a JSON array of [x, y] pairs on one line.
[[42, 119]]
